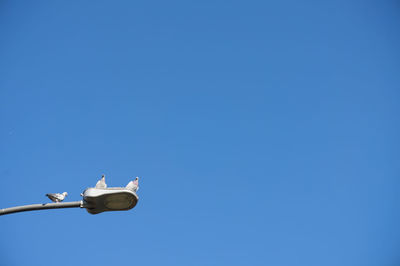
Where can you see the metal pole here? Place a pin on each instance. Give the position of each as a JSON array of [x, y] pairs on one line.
[[34, 207]]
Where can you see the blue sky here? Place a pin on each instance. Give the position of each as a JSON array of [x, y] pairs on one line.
[[264, 132]]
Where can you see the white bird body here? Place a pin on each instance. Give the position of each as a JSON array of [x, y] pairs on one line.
[[57, 197], [133, 185], [102, 182]]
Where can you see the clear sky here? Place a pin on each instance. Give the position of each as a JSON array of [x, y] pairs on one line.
[[264, 132]]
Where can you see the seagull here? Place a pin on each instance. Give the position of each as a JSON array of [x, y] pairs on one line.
[[133, 185], [102, 182], [57, 197]]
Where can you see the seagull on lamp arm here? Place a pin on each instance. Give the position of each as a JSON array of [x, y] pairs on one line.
[[57, 197]]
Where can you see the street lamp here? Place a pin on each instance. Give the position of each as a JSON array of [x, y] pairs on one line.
[[94, 200], [109, 199]]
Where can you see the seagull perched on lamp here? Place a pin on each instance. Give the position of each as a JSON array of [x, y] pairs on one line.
[[133, 185], [102, 182], [57, 197]]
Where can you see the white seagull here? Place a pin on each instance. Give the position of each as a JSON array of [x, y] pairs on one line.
[[102, 182], [57, 197], [133, 185]]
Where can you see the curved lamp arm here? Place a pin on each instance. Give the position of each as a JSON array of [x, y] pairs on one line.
[[34, 207]]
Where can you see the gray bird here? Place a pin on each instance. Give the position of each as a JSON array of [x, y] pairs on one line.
[[57, 197], [102, 182], [133, 185]]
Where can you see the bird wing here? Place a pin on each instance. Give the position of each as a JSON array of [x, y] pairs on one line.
[[101, 184], [130, 185], [54, 196]]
